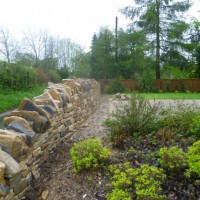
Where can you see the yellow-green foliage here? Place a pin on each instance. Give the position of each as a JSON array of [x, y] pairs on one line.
[[172, 159], [88, 153], [122, 177], [194, 158], [118, 194], [148, 180]]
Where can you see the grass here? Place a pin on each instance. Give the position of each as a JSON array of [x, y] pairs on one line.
[[171, 95], [10, 100]]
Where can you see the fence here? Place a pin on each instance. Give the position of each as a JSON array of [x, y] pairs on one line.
[[165, 85]]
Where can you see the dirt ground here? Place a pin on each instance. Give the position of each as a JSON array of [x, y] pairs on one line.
[[57, 182]]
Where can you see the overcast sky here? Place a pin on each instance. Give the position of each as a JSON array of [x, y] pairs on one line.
[[75, 19]]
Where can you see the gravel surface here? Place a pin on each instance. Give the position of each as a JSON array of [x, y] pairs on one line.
[[57, 181]]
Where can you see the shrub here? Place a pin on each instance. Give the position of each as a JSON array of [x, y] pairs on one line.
[[122, 177], [138, 117], [194, 158], [88, 153], [145, 181], [114, 87], [118, 194], [179, 117], [146, 81], [194, 128], [148, 180], [172, 159]]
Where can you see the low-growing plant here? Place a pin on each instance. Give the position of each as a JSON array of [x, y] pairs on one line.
[[179, 118], [194, 158], [123, 177], [145, 182], [138, 117], [88, 153], [194, 128], [118, 194], [148, 181], [172, 159]]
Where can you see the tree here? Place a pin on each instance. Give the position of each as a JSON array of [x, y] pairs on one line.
[[103, 55], [131, 53], [7, 44], [66, 50], [34, 44], [155, 18], [81, 65]]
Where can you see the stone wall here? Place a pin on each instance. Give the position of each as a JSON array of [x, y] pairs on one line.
[[37, 126]]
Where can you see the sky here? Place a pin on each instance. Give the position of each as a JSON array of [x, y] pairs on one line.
[[74, 19]]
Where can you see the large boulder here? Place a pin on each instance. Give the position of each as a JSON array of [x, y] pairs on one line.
[[31, 116], [29, 105], [18, 127], [26, 124], [12, 143], [11, 166]]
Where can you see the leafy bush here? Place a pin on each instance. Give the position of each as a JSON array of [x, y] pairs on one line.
[[138, 117], [194, 128], [172, 159], [148, 180], [122, 176], [179, 117], [14, 77], [194, 158], [146, 81], [114, 87], [88, 153], [145, 181], [118, 194]]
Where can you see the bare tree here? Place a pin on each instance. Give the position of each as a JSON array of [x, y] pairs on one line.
[[34, 44], [7, 44]]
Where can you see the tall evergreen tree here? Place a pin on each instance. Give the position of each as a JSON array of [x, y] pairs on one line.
[[155, 18]]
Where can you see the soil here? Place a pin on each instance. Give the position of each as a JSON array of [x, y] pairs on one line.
[[57, 182]]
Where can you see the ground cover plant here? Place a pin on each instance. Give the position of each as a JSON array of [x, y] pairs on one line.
[[151, 159]]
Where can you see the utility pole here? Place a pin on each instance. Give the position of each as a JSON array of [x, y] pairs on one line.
[[116, 40]]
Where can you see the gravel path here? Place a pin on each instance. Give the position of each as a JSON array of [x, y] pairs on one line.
[[57, 182]]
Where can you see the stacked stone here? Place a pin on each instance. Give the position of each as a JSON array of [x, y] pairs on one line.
[[37, 127]]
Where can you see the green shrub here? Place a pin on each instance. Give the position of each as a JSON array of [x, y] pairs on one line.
[[172, 159], [122, 176], [146, 81], [138, 117], [88, 153], [145, 181], [14, 77], [148, 180], [194, 158], [114, 87], [179, 118], [194, 128], [118, 194]]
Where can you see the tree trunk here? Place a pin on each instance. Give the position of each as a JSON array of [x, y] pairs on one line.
[[158, 40]]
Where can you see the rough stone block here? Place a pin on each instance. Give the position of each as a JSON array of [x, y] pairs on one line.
[[22, 184], [18, 127], [12, 167]]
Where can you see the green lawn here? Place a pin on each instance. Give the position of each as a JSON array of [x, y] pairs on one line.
[[171, 95], [11, 100]]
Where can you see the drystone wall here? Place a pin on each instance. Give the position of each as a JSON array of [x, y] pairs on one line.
[[37, 126]]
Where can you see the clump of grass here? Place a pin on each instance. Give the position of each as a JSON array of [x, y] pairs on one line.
[[11, 99]]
